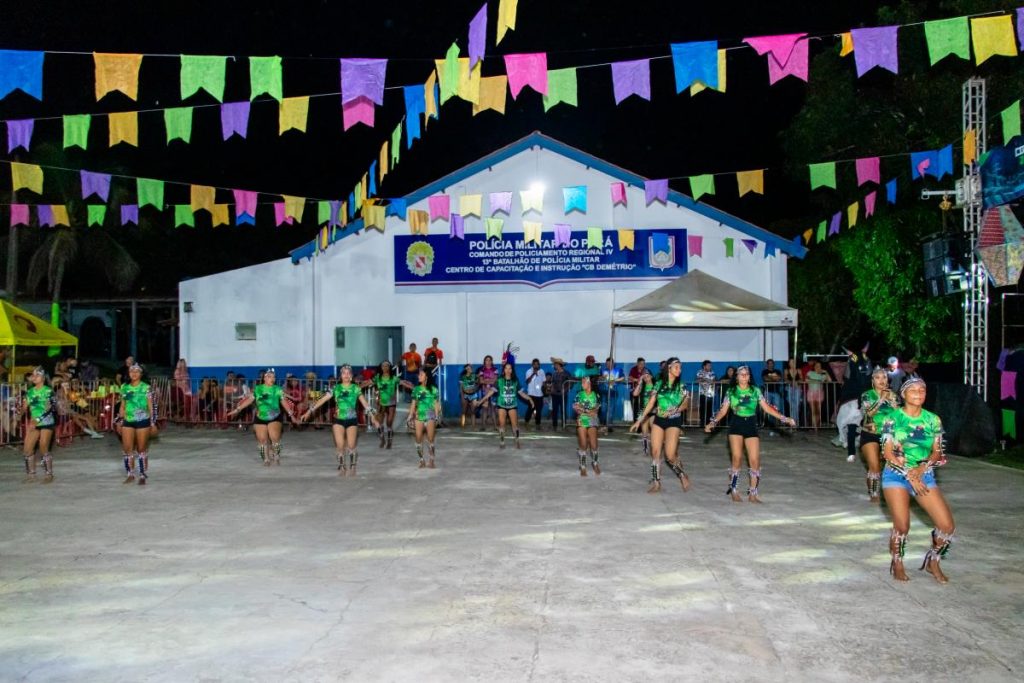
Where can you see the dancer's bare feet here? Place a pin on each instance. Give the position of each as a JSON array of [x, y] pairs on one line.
[[129, 479], [684, 481], [422, 464], [597, 469], [655, 487], [430, 464], [897, 571], [735, 495], [48, 479], [933, 568]]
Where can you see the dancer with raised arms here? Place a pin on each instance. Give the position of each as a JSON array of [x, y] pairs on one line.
[[426, 412], [668, 401], [346, 395], [271, 404]]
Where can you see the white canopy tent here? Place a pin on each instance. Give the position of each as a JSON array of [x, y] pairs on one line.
[[699, 301]]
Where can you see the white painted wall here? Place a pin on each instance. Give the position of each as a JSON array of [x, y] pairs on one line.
[[297, 307]]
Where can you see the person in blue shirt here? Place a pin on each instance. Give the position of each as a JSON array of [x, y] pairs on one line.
[[608, 388]]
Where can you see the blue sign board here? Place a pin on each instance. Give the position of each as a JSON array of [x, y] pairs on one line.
[[509, 261]]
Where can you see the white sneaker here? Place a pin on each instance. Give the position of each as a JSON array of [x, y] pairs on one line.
[[851, 458], [96, 435]]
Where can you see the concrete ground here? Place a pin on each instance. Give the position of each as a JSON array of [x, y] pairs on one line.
[[497, 566]]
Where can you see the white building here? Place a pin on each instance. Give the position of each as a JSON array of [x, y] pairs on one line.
[[348, 302]]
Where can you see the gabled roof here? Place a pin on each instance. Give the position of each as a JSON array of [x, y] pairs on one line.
[[538, 139], [699, 300]]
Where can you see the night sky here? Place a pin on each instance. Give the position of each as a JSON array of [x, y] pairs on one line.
[[671, 136]]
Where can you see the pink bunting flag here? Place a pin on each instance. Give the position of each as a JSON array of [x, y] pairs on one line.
[[1008, 384], [656, 190], [95, 183], [876, 47], [695, 245], [457, 227], [750, 245], [19, 134], [363, 78], [869, 170], [440, 207], [245, 202], [869, 204], [527, 70], [618, 193], [787, 55], [563, 232], [359, 110], [631, 78], [19, 214], [280, 214], [234, 119], [501, 201]]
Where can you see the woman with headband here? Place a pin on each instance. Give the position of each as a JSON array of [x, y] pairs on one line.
[[386, 382], [586, 406], [267, 424], [669, 401], [912, 447], [425, 411], [508, 392], [346, 395], [875, 404], [137, 416], [41, 405], [744, 398]]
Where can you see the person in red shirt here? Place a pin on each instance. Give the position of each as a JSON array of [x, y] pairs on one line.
[[433, 357], [411, 362]]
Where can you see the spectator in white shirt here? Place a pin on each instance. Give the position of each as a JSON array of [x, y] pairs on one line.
[[535, 379]]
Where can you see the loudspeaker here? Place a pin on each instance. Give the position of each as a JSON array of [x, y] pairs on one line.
[[944, 271], [968, 422]]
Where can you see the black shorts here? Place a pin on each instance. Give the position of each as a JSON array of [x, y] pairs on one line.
[[258, 421], [668, 422], [141, 424], [50, 427], [868, 437], [743, 426], [347, 422]]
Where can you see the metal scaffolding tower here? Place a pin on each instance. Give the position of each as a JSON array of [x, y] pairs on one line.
[[976, 296]]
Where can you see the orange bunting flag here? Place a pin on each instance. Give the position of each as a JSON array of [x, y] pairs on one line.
[[117, 72], [419, 222], [970, 147], [124, 127], [202, 197], [219, 212], [626, 239], [750, 181], [493, 95], [846, 47], [807, 235]]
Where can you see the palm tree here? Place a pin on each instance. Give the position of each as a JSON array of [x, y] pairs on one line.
[[76, 245]]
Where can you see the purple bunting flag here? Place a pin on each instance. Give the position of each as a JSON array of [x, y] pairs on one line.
[[363, 78], [751, 245], [656, 190], [45, 215], [477, 36], [234, 119], [563, 232], [19, 134], [833, 228], [501, 201], [876, 47], [457, 227], [95, 183], [631, 78], [129, 214], [335, 218]]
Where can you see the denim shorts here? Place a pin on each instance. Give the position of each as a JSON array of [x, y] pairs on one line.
[[893, 479]]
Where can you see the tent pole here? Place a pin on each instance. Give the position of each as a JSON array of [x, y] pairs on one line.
[[611, 349]]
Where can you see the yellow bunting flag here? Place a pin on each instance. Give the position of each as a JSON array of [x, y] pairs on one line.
[[493, 94], [531, 232], [294, 206], [852, 212], [202, 197], [993, 36], [293, 114], [26, 176], [626, 239], [750, 181], [364, 185], [846, 47], [970, 147], [373, 216], [533, 200], [219, 212], [343, 213], [117, 72], [124, 127], [382, 165], [506, 18], [469, 81], [807, 235], [700, 87], [357, 193], [60, 215], [595, 238], [419, 222], [471, 205], [429, 101]]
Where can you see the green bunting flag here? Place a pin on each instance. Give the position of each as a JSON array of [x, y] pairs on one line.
[[1010, 115], [561, 88], [265, 77], [201, 71], [97, 212], [183, 216], [179, 124], [701, 185], [323, 212], [821, 232], [396, 144], [595, 238], [450, 76], [728, 247], [947, 37], [76, 131], [150, 193], [1009, 423], [823, 175]]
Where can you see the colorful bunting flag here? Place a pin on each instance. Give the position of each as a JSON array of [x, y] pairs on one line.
[[468, 87], [363, 78], [563, 234], [575, 198], [323, 212], [1008, 385], [993, 36], [701, 185], [293, 112], [359, 110], [234, 119], [265, 77], [527, 70], [179, 123], [76, 130], [45, 213], [95, 184], [876, 47], [374, 216], [618, 190], [219, 215], [947, 37], [700, 86], [660, 243], [500, 201], [202, 197], [595, 238], [728, 242], [845, 44], [477, 36], [1020, 25], [531, 232], [869, 170], [852, 212], [448, 73], [60, 215], [203, 71], [294, 207], [183, 216], [695, 245], [823, 175], [1009, 423], [532, 199], [117, 72], [751, 245], [750, 181], [123, 127], [631, 78], [1011, 122], [656, 190], [769, 249], [695, 62], [21, 69], [419, 222], [493, 94], [431, 95], [506, 18], [129, 214], [245, 202], [397, 207], [869, 204], [935, 163], [415, 105], [150, 193], [19, 134], [396, 145], [627, 239], [95, 213], [807, 236], [440, 207], [471, 205], [821, 232], [280, 217], [890, 191], [26, 177], [19, 214], [383, 159], [787, 55], [562, 88], [457, 227], [837, 219], [970, 147], [493, 227]]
